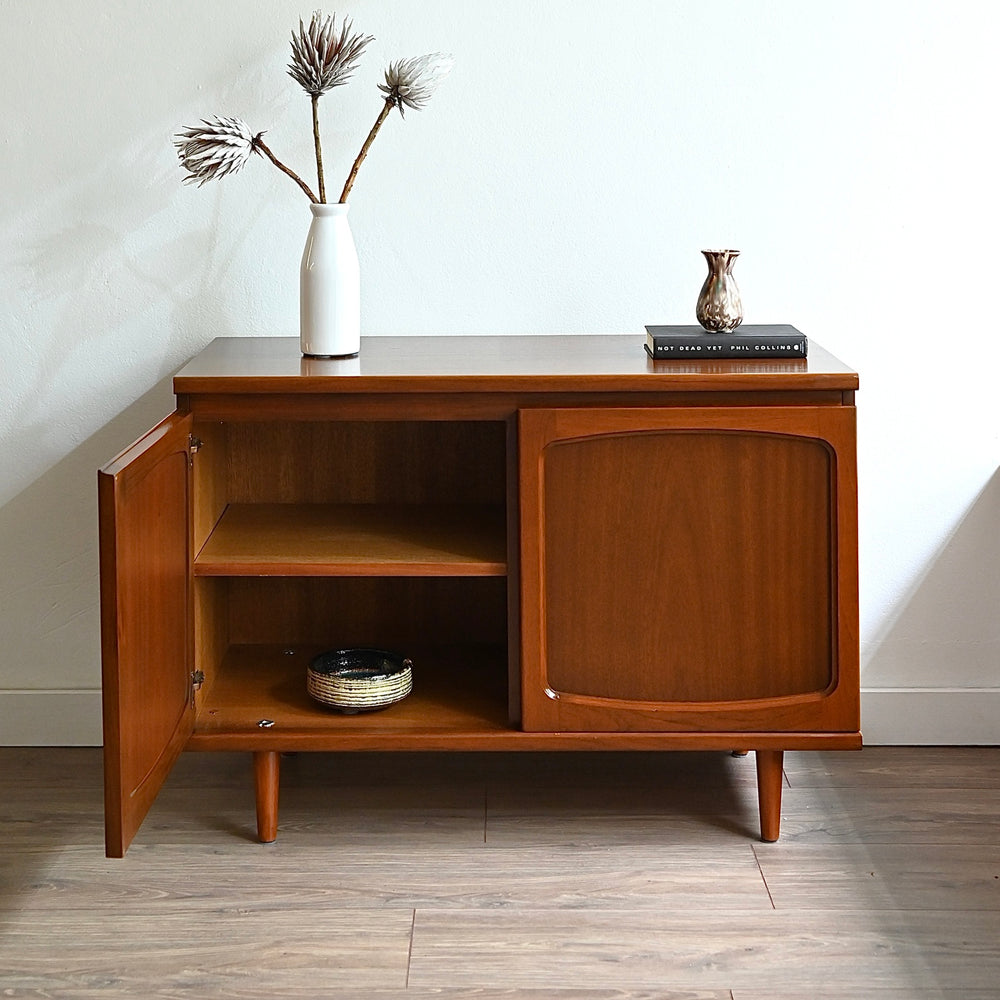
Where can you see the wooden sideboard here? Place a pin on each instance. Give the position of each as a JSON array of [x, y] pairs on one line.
[[579, 549]]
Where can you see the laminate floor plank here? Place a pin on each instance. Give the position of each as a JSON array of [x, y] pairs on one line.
[[349, 815], [247, 991], [890, 815], [47, 767], [895, 767], [909, 993], [616, 815], [293, 876], [119, 953], [883, 876], [862, 950]]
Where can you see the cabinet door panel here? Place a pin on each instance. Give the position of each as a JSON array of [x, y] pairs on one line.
[[146, 621], [688, 569]]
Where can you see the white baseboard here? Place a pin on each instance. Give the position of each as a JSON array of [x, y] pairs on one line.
[[50, 719], [930, 716], [889, 717]]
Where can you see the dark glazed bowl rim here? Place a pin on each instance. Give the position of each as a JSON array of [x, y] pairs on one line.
[[362, 663]]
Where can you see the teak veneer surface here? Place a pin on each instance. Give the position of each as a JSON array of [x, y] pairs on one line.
[[598, 362], [356, 540], [459, 702], [395, 612], [146, 632], [458, 690], [379, 461], [719, 548]]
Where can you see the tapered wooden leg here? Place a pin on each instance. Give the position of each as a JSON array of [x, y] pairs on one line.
[[769, 779], [265, 773]]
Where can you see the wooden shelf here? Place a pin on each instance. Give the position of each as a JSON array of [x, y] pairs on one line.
[[455, 690], [459, 702], [285, 539]]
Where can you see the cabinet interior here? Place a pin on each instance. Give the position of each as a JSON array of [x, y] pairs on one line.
[[311, 536]]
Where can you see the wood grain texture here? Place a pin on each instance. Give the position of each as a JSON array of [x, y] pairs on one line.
[[677, 599], [267, 778], [376, 875], [636, 816], [384, 612], [380, 407], [211, 630], [147, 628], [210, 492], [842, 816], [352, 817], [769, 787], [458, 703], [459, 689], [337, 461], [489, 364], [287, 539], [884, 876], [896, 767], [728, 599], [642, 949], [925, 992], [277, 951]]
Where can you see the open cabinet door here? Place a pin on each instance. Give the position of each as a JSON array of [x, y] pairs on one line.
[[144, 499]]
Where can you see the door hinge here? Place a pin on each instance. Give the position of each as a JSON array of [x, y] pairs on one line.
[[197, 679], [194, 445]]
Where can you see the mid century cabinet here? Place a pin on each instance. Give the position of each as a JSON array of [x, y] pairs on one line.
[[578, 548]]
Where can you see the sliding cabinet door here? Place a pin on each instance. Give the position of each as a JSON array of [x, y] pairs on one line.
[[689, 569]]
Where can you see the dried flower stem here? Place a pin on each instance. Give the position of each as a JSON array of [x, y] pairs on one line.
[[383, 114], [258, 144], [319, 149]]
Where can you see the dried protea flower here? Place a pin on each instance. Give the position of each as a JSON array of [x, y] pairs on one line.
[[221, 146], [215, 148], [411, 82], [322, 59]]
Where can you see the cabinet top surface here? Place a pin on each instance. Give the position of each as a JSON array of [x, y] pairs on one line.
[[581, 363]]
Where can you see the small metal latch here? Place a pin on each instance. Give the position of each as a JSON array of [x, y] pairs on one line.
[[194, 444], [197, 678]]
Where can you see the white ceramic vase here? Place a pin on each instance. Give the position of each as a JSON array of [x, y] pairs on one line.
[[330, 287]]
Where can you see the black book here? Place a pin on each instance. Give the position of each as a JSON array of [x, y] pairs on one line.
[[685, 343]]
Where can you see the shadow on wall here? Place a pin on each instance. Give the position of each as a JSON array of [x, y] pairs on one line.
[[49, 597], [941, 650]]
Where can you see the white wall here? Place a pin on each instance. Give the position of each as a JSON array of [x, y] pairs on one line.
[[564, 179]]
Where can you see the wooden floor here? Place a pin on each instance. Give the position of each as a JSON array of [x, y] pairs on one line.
[[522, 877]]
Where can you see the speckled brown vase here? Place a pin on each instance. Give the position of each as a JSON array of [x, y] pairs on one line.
[[720, 309]]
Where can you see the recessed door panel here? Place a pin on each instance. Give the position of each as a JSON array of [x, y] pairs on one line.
[[708, 566]]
